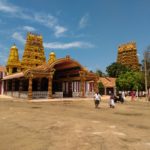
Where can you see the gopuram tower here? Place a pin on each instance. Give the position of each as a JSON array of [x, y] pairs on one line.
[[127, 55], [33, 53], [13, 63]]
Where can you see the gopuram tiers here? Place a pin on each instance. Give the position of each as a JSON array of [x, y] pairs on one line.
[[33, 55], [13, 63], [127, 55]]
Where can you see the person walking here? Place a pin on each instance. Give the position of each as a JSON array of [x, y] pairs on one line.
[[111, 101], [122, 97], [97, 99]]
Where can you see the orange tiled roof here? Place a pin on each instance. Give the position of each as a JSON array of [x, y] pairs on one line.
[[107, 81]]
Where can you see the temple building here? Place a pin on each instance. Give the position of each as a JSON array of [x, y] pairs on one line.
[[127, 55], [109, 85], [33, 77]]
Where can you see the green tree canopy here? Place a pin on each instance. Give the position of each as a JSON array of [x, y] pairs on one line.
[[99, 73], [101, 88], [116, 69], [130, 81]]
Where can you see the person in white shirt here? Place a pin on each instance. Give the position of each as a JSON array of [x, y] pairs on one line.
[[97, 98], [111, 101]]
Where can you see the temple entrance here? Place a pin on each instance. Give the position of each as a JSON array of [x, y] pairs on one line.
[[65, 74], [57, 87], [67, 89]]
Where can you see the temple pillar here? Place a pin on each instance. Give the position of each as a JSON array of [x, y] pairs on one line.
[[30, 88], [50, 81], [83, 87], [82, 79], [13, 87], [20, 87], [49, 87]]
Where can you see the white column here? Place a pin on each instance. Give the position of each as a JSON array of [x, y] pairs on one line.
[[77, 86], [88, 86]]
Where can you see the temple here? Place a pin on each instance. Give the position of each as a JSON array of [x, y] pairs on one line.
[[33, 77], [127, 55]]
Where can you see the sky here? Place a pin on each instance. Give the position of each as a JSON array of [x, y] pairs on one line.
[[90, 31]]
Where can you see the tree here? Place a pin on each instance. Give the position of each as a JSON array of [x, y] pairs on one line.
[[99, 73], [116, 69], [130, 81], [101, 88]]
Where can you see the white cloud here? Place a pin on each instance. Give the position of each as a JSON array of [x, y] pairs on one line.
[[59, 30], [18, 36], [56, 45], [29, 28], [9, 8], [47, 20], [77, 44], [84, 21], [50, 22]]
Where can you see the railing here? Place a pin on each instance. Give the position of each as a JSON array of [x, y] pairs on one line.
[[58, 95], [89, 94], [39, 94], [77, 94], [8, 93], [23, 94], [44, 94], [15, 94]]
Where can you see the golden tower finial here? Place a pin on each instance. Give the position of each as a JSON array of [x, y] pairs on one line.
[[52, 57]]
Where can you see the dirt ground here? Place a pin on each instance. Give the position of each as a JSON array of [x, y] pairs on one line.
[[74, 125]]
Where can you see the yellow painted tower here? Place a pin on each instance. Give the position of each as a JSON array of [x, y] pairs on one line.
[[33, 53], [13, 63], [127, 55]]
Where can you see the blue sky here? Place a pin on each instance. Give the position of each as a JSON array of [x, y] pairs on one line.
[[90, 31]]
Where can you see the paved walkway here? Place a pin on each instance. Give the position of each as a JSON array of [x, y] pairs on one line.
[[104, 97]]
